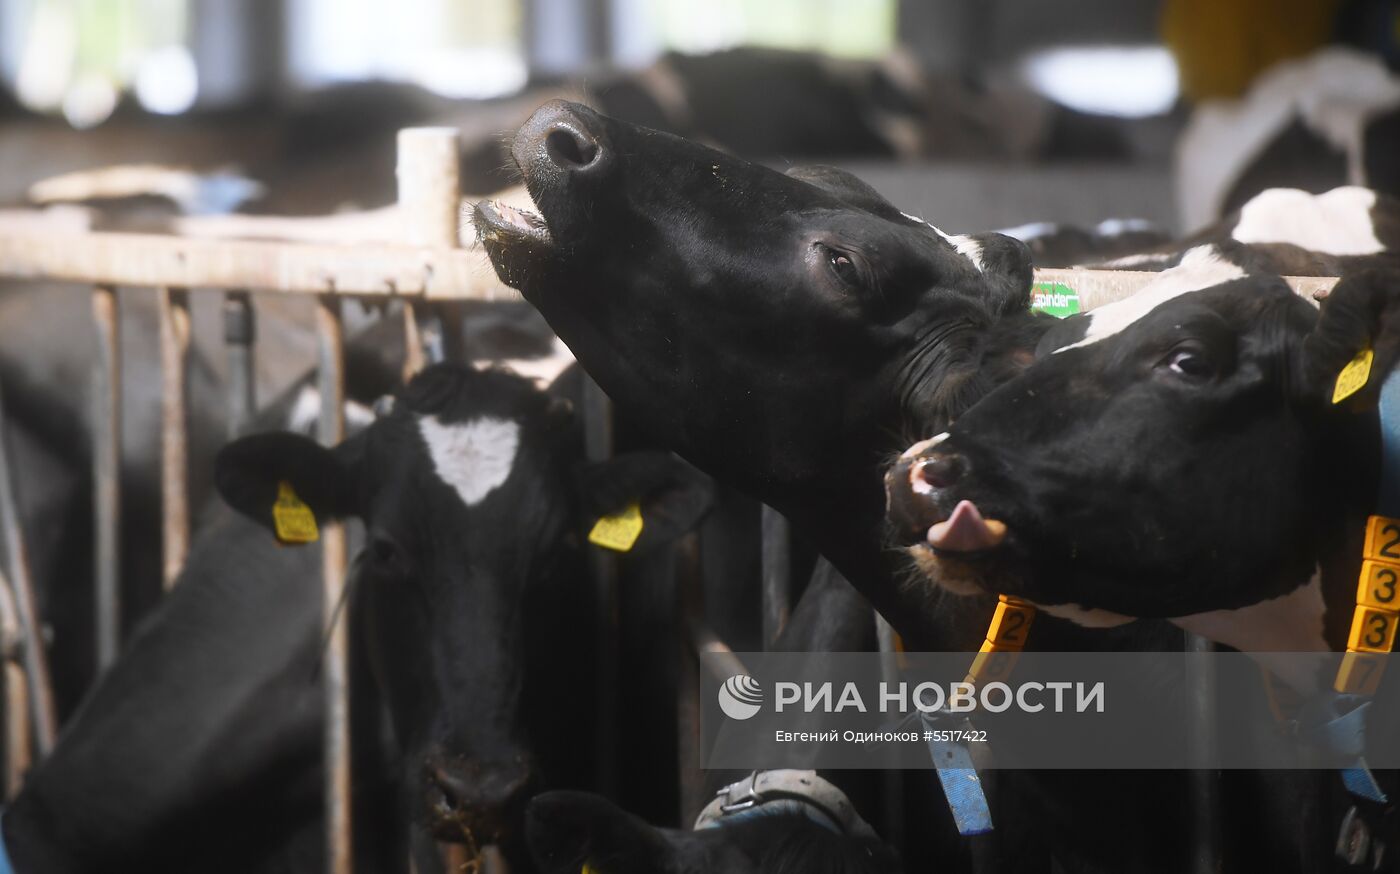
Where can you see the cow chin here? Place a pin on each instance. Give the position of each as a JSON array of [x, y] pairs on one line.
[[961, 575]]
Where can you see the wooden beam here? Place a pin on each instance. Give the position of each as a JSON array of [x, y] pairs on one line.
[[177, 262], [1099, 287]]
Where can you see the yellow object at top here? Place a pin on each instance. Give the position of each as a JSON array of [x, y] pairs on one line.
[[1221, 45]]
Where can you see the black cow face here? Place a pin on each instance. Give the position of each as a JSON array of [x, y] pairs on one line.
[[469, 491], [761, 322], [1184, 461], [570, 832]]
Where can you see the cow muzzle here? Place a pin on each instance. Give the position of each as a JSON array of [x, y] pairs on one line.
[[562, 141], [476, 802], [924, 499]]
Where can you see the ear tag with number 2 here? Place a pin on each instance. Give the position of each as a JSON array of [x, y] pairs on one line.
[[1353, 376], [292, 519], [618, 532]]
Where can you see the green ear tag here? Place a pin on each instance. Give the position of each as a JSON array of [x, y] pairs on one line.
[[1353, 376], [619, 532], [292, 519], [1054, 298]]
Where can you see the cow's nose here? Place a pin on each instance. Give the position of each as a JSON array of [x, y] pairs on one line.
[[484, 796], [938, 471], [561, 137]]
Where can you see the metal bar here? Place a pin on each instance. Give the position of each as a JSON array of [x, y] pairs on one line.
[[413, 356], [17, 737], [777, 574], [240, 333], [335, 665], [174, 309], [891, 778], [1205, 783], [689, 607], [36, 664], [150, 260], [106, 474], [598, 445]]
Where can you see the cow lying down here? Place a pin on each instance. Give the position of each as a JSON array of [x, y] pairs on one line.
[[769, 822], [1176, 455]]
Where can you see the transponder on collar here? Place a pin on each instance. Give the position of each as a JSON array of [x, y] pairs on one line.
[[764, 793]]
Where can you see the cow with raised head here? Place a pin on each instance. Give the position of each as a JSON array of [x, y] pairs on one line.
[[204, 738], [789, 333]]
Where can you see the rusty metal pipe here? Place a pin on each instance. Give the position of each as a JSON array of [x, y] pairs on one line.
[[106, 474]]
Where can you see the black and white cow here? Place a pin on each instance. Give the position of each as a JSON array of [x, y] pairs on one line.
[[1174, 455], [1178, 456], [467, 597], [788, 333], [794, 821]]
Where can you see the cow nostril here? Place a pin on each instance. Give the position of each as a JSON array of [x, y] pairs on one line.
[[938, 472], [569, 149]]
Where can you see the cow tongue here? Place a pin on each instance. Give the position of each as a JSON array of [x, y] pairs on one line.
[[967, 531]]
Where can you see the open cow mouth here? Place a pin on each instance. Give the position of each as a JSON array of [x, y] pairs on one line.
[[503, 225]]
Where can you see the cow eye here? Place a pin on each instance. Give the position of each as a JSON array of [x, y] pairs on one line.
[[842, 264], [1190, 363], [383, 552]]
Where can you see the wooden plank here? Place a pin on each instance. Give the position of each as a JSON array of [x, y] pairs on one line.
[[174, 312], [176, 262], [106, 474], [1099, 287]]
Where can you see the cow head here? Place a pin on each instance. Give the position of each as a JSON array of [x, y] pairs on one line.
[[474, 498], [767, 325], [1172, 454], [571, 831]]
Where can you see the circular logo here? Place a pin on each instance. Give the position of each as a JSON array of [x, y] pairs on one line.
[[740, 697]]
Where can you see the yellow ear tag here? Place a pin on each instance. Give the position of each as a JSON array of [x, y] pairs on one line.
[[293, 520], [1353, 376], [588, 869], [618, 532]]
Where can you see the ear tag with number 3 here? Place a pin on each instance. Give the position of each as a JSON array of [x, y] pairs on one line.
[[292, 519], [1353, 376], [618, 532]]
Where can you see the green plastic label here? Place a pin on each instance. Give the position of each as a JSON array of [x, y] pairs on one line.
[[1055, 298]]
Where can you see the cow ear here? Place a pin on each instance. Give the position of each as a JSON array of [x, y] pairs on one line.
[[568, 832], [673, 496], [250, 474], [1361, 313], [1007, 264]]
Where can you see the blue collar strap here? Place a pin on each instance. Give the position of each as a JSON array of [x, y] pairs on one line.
[[957, 773]]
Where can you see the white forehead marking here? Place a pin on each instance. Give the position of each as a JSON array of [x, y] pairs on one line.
[[473, 457], [1337, 223], [1201, 267], [965, 245]]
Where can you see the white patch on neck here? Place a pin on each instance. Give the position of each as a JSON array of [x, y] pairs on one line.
[[1201, 267], [473, 457], [1088, 617], [1335, 223], [965, 245], [1286, 624]]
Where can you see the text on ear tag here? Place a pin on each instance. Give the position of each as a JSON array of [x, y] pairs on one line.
[[1353, 376], [291, 518], [620, 531]]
